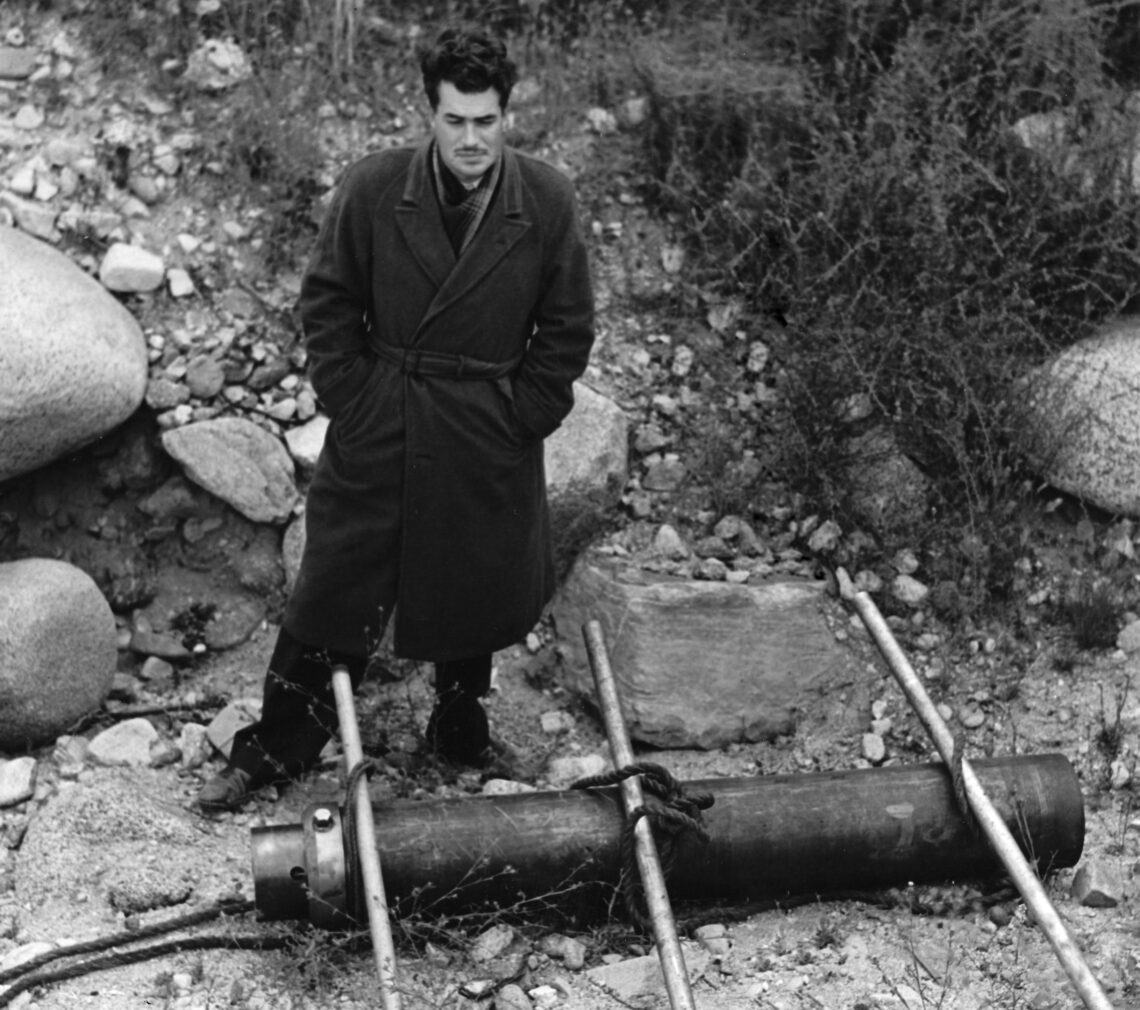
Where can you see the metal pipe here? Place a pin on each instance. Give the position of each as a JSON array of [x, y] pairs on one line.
[[774, 837], [383, 949], [648, 862], [1020, 872]]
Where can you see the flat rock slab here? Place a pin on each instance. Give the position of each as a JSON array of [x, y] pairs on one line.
[[238, 462], [699, 664]]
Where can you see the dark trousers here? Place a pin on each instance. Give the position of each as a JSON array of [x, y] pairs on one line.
[[298, 711]]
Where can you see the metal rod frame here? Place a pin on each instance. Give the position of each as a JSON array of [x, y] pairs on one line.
[[1021, 873], [648, 861], [383, 949]]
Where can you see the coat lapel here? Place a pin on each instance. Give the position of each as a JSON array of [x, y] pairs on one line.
[[421, 223], [422, 227]]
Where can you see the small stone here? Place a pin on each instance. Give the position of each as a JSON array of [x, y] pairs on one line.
[[491, 943], [146, 189], [164, 753], [181, 981], [511, 997], [758, 355], [905, 562], [193, 745], [562, 771], [1000, 916], [179, 283], [283, 410], [571, 952], [826, 538], [28, 117], [665, 475], [1097, 885], [23, 180], [505, 787], [668, 543], [544, 996], [971, 716], [909, 590], [205, 376], [712, 570], [16, 63], [126, 743], [157, 672], [127, 268], [556, 722], [17, 780], [1120, 775], [874, 749], [70, 755], [1129, 638], [123, 688]]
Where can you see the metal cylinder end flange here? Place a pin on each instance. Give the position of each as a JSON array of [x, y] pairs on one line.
[[299, 870]]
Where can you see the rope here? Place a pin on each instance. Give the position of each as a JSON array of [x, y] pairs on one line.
[[672, 813], [958, 780], [359, 909], [116, 960], [26, 976], [232, 906]]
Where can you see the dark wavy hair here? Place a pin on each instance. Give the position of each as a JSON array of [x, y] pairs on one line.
[[470, 59]]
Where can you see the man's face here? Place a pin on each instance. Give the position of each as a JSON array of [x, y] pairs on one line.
[[468, 130]]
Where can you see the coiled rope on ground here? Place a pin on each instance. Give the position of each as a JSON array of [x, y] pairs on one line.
[[35, 972]]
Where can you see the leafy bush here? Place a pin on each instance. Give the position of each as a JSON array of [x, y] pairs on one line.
[[880, 203]]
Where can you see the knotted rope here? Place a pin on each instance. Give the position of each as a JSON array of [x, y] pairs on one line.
[[671, 811]]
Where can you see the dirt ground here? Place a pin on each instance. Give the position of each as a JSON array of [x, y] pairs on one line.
[[938, 946], [915, 948]]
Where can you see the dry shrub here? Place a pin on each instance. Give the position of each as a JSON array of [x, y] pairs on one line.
[[853, 170]]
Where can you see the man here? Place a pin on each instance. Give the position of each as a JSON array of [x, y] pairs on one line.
[[447, 312]]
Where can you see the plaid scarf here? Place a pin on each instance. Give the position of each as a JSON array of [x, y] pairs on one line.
[[477, 200]]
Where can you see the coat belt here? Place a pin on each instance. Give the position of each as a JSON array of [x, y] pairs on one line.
[[449, 366]]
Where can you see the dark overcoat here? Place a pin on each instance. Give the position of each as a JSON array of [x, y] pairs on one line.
[[441, 378]]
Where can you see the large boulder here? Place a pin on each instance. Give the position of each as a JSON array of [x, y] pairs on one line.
[[57, 649], [699, 664], [74, 360], [240, 463], [1080, 418]]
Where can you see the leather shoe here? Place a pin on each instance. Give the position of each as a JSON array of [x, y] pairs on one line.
[[228, 790]]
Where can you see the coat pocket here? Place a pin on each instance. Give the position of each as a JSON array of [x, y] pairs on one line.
[[507, 400]]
